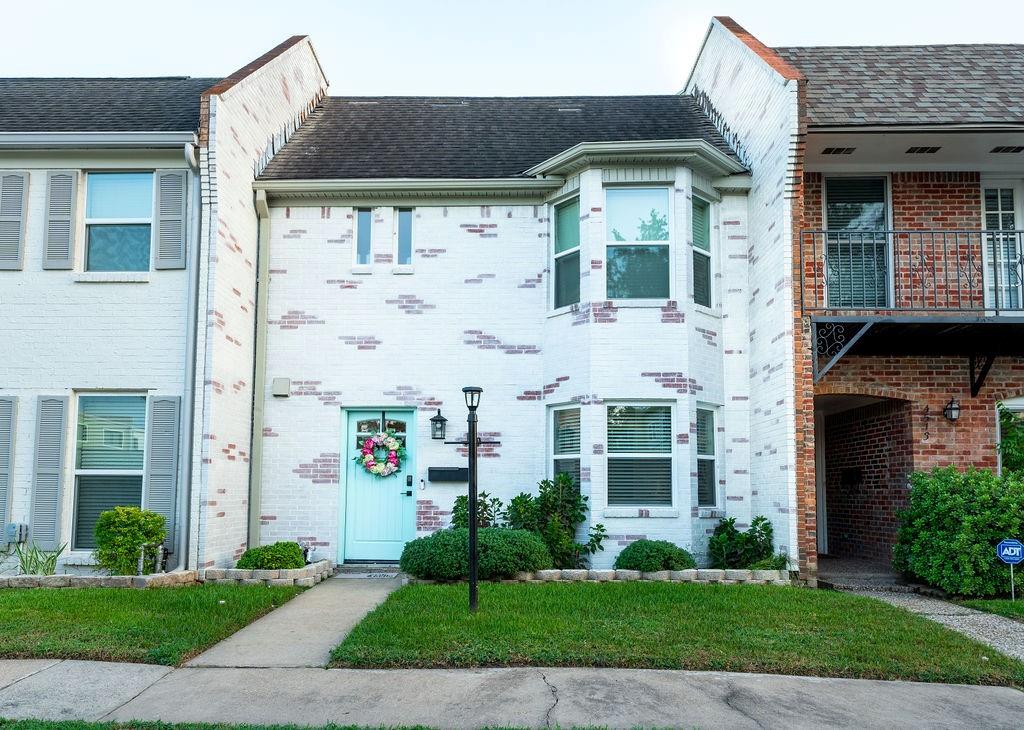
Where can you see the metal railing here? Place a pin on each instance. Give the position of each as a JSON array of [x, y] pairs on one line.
[[978, 271]]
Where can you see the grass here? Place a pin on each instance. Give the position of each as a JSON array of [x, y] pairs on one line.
[[778, 630], [137, 725], [1001, 606], [158, 625]]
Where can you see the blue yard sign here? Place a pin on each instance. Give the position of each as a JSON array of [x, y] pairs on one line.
[[1011, 551]]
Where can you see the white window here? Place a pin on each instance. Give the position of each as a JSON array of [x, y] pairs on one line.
[[637, 237], [565, 446], [640, 455], [1004, 278], [404, 227], [109, 459], [1010, 435], [707, 489], [118, 221], [364, 227], [566, 263], [702, 278]]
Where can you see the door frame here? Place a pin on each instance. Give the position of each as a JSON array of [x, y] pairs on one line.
[[345, 457], [820, 485]]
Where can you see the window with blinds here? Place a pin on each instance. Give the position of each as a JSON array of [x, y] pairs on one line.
[[565, 447], [857, 245], [701, 216], [639, 455], [707, 494], [109, 459], [1003, 254], [567, 253]]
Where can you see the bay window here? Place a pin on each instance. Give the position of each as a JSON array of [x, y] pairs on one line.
[[707, 491], [701, 220], [639, 455], [404, 236], [565, 448], [637, 236]]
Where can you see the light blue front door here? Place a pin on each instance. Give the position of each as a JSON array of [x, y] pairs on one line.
[[380, 512]]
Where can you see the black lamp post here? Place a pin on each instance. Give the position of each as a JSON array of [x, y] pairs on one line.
[[472, 394]]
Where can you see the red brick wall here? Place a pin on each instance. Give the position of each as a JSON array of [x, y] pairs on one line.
[[868, 455], [925, 277]]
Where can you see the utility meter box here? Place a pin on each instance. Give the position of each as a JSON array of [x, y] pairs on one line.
[[16, 532]]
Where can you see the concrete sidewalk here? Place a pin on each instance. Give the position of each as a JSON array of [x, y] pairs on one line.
[[302, 632], [530, 697]]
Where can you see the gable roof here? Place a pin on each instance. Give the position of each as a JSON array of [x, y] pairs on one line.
[[164, 104], [473, 137], [911, 85]]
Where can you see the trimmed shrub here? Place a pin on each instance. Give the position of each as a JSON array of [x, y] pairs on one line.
[[502, 553], [954, 520], [775, 562], [730, 548], [653, 555], [120, 535], [278, 556]]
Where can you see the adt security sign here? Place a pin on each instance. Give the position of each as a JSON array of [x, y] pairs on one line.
[[1011, 552]]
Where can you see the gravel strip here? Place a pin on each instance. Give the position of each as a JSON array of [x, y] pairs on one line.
[[1002, 634]]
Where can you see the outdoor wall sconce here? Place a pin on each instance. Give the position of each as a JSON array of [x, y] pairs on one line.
[[437, 424], [952, 410]]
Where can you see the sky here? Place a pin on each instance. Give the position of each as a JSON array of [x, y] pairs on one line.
[[462, 47]]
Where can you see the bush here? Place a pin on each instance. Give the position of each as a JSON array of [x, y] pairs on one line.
[[653, 555], [554, 514], [501, 553], [775, 562], [121, 533], [954, 520], [278, 556], [730, 548]]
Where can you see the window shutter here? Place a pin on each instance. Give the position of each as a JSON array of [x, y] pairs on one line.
[[13, 189], [51, 427], [162, 459], [169, 221], [8, 411], [59, 240]]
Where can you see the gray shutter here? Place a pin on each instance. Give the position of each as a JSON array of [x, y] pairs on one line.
[[51, 430], [169, 221], [13, 193], [162, 459], [8, 415], [59, 237]]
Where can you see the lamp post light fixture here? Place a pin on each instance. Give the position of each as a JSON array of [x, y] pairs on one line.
[[472, 394], [952, 410], [437, 425]]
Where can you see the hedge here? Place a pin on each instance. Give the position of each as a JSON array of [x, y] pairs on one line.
[[501, 554], [948, 534], [654, 555], [278, 556]]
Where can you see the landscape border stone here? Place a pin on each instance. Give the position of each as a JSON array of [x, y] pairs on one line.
[[724, 577], [305, 577], [63, 580]]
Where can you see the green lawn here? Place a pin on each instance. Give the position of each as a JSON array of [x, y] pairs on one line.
[[158, 625], [1004, 607], [779, 630], [137, 725]]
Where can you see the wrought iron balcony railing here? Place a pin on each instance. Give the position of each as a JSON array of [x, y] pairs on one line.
[[976, 271]]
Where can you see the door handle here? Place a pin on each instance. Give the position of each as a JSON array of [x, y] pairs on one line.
[[407, 493]]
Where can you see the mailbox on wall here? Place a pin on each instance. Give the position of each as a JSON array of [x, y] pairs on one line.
[[448, 474]]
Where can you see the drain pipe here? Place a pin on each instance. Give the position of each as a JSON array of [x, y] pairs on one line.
[[259, 380]]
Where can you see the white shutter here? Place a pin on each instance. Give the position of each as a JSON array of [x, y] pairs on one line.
[[8, 416], [51, 429], [169, 221], [162, 459], [59, 236]]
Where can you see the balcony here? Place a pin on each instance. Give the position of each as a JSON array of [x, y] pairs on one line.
[[912, 271], [910, 291]]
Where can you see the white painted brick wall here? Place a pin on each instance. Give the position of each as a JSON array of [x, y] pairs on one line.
[[760, 108], [62, 337], [483, 269]]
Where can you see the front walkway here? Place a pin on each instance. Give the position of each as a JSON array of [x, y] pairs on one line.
[[302, 632], [525, 697], [1001, 633]]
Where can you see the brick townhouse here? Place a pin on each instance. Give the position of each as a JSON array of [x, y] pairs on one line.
[[127, 284], [774, 293], [888, 185]]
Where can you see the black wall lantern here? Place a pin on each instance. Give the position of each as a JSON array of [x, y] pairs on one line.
[[437, 424], [952, 410]]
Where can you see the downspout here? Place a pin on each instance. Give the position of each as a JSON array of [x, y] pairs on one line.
[[191, 338], [259, 366]]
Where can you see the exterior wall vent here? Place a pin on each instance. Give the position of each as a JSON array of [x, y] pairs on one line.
[[1005, 149], [838, 150], [922, 150]]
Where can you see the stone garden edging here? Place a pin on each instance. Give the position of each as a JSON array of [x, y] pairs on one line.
[[155, 580], [695, 575], [302, 577]]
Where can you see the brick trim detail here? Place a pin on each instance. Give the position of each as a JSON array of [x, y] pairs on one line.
[[767, 54]]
